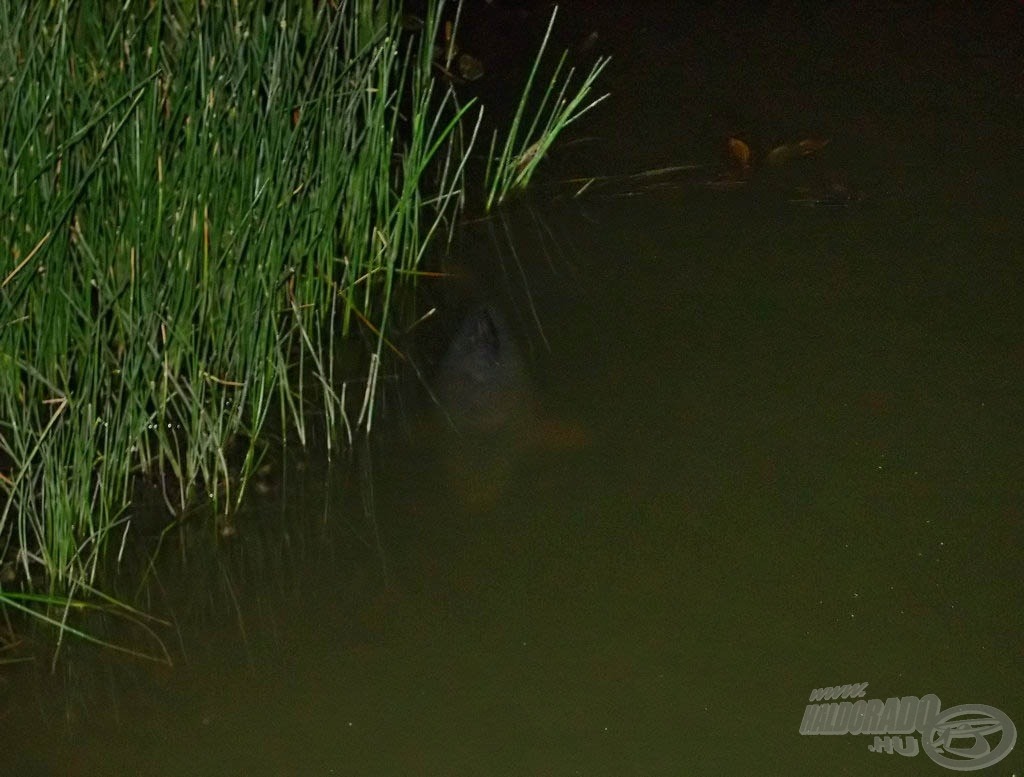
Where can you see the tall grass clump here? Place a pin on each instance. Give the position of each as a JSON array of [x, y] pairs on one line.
[[195, 200], [511, 164]]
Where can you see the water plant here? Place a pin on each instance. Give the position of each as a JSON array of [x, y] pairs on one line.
[[511, 164], [198, 203]]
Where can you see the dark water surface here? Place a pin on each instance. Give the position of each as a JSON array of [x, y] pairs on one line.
[[733, 448]]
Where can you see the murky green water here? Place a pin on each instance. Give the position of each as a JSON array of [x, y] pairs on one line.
[[754, 449]]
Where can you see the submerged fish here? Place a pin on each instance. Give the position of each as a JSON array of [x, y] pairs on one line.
[[481, 384], [488, 403]]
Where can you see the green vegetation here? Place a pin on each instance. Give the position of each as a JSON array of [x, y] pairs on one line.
[[198, 200], [522, 150]]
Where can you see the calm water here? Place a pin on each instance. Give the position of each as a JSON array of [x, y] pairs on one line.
[[745, 448]]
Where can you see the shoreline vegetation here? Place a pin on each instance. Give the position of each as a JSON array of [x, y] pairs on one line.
[[200, 203]]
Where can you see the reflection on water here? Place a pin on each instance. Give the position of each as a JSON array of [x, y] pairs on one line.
[[802, 468]]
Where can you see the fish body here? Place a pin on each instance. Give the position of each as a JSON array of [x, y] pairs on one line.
[[482, 384]]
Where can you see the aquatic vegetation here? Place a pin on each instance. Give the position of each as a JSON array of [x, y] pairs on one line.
[[197, 205], [525, 146], [200, 202]]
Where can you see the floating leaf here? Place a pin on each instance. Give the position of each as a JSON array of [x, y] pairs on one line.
[[740, 156], [811, 145], [470, 68], [739, 152], [780, 155]]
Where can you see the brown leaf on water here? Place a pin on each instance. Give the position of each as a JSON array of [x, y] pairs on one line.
[[470, 67], [780, 155], [739, 154], [811, 145]]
